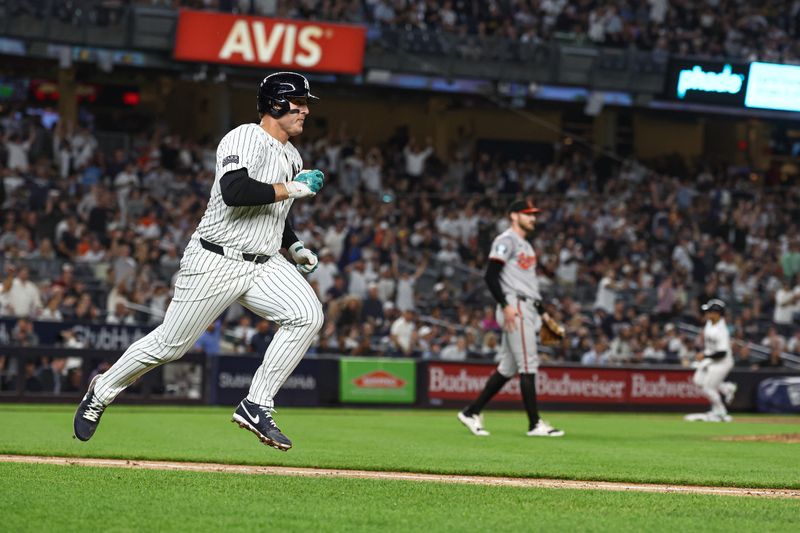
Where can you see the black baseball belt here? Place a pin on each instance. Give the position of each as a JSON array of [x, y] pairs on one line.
[[217, 249]]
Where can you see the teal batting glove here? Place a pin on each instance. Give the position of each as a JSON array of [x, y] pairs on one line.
[[314, 179]]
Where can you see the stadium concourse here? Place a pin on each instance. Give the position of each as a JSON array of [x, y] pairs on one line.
[[402, 233]]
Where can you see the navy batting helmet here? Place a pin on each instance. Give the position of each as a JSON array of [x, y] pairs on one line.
[[713, 305], [277, 89]]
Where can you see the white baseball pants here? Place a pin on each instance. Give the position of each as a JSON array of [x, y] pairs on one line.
[[709, 376], [206, 285]]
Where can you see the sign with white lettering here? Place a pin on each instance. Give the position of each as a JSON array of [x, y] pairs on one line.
[[263, 42], [607, 386]]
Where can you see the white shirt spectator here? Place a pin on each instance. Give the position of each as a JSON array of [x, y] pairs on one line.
[[606, 295], [402, 331], [23, 298], [787, 303], [325, 273], [415, 161], [405, 293], [357, 283], [18, 154]]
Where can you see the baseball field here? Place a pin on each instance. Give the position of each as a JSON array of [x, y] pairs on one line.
[[650, 472]]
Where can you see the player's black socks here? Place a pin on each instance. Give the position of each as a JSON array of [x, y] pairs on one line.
[[527, 385], [493, 386]]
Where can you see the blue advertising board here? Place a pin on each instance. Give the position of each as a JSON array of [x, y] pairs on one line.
[[91, 336], [231, 376]]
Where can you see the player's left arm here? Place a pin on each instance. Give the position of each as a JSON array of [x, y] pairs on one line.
[[306, 260]]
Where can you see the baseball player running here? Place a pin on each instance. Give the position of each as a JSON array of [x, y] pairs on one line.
[[234, 256], [511, 277], [716, 363]]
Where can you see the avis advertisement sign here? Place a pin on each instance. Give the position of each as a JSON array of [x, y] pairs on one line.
[[374, 380], [457, 381], [264, 42]]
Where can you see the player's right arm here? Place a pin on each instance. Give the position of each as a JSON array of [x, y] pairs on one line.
[[238, 154], [502, 251]]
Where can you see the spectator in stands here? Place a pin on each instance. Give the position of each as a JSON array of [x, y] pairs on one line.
[[209, 341], [406, 283], [372, 307], [23, 334], [325, 274], [261, 338], [21, 296], [790, 259], [52, 310], [774, 341], [403, 334], [121, 315], [416, 156], [598, 354], [787, 303], [455, 350], [607, 292]]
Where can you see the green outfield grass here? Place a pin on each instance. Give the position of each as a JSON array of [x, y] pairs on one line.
[[53, 498], [659, 448]]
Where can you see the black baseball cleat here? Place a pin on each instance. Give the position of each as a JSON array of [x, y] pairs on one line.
[[258, 419], [87, 417]]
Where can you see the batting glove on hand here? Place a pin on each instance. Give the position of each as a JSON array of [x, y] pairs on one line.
[[306, 260], [314, 179]]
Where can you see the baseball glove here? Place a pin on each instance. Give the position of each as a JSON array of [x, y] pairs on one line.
[[552, 332]]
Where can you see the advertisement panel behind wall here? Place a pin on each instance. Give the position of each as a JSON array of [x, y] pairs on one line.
[[264, 42], [375, 380], [463, 382], [231, 376]]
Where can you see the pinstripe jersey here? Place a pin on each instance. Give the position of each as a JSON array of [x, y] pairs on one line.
[[250, 229], [518, 276]]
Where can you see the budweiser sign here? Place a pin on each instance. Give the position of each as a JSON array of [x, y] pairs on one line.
[[457, 381], [379, 379], [258, 41]]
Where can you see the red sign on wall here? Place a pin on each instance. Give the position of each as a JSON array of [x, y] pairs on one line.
[[456, 381], [277, 43]]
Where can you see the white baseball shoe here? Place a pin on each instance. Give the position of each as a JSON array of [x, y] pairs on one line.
[[474, 424], [728, 390], [543, 429]]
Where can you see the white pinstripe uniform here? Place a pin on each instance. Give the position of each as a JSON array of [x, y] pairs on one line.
[[208, 282], [518, 349], [710, 374]]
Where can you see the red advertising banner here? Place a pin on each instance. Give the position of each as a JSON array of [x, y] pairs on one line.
[[457, 381], [264, 42]]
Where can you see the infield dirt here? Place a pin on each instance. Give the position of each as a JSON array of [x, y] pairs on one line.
[[404, 476]]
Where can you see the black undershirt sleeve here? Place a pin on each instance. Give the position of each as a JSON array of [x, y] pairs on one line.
[[492, 278], [240, 190], [717, 355], [289, 238]]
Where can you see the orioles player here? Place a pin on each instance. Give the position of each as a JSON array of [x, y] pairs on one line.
[[716, 363], [511, 277], [234, 256]]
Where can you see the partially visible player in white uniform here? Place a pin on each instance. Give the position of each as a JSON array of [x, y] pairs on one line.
[[511, 278], [717, 362], [234, 256]]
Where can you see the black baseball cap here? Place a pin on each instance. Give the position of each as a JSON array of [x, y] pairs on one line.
[[523, 206]]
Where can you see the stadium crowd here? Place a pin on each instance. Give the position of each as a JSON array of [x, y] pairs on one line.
[[403, 232], [765, 31]]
